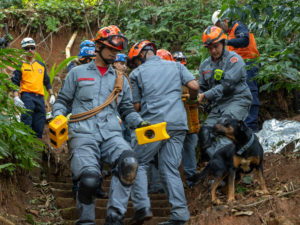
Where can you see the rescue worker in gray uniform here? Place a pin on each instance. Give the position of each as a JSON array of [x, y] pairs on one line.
[[157, 88], [222, 81], [100, 136], [189, 162]]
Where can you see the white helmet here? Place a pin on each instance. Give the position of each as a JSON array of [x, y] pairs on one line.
[[215, 17], [27, 42]]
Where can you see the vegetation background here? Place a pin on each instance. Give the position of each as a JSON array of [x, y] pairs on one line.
[[171, 24]]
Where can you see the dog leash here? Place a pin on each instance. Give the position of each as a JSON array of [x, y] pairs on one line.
[[246, 146]]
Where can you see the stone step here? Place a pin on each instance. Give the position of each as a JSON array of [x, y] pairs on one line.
[[153, 221], [70, 202], [67, 183], [68, 194], [100, 212], [68, 186]]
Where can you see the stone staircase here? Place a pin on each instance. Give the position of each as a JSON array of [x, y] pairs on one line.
[[62, 190]]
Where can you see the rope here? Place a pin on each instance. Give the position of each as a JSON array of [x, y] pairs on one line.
[[113, 96]]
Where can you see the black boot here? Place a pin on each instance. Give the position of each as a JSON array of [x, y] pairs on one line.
[[114, 219], [140, 216], [100, 193], [173, 222]]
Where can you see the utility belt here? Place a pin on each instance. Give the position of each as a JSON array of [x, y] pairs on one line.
[[192, 112]]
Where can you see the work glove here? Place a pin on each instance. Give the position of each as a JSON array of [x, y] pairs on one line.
[[144, 124], [18, 102], [8, 37], [148, 133], [69, 116], [52, 99], [193, 101], [49, 116]]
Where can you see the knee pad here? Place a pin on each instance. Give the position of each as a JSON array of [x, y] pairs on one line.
[[88, 184], [205, 137], [127, 168]]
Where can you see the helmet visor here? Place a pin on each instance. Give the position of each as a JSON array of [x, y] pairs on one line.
[[181, 60], [118, 41]]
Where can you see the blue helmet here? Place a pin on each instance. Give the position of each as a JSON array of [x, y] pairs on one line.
[[121, 57], [87, 43], [87, 52]]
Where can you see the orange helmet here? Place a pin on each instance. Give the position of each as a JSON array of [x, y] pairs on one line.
[[136, 49], [164, 54], [111, 36], [212, 35]]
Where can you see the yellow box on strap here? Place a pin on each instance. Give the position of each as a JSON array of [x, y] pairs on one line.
[[58, 130], [152, 133]]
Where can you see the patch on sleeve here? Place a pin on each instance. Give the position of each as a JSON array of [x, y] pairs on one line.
[[233, 59], [82, 79], [205, 72]]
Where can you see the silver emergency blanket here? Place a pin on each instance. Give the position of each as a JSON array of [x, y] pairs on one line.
[[275, 135]]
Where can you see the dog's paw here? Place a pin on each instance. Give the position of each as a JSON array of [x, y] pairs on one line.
[[217, 201], [261, 192], [230, 200]]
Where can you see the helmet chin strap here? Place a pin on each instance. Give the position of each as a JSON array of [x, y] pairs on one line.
[[222, 50], [107, 61], [222, 25], [145, 56]]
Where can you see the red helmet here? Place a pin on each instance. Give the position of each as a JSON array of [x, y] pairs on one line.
[[212, 35], [136, 49], [164, 54], [111, 36]]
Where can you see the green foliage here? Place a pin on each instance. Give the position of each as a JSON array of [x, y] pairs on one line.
[[55, 70], [276, 28], [10, 3], [178, 25], [240, 189], [18, 144]]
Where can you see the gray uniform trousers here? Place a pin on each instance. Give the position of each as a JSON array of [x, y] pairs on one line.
[[235, 109], [189, 162], [85, 156], [170, 154], [155, 184]]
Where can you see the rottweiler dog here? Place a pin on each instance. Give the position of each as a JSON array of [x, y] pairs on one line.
[[242, 156]]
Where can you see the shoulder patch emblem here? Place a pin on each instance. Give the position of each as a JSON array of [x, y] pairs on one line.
[[233, 59], [40, 71], [205, 72]]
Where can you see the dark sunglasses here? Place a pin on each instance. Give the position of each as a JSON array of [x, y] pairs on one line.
[[29, 48]]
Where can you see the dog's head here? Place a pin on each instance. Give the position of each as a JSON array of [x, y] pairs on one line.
[[235, 130]]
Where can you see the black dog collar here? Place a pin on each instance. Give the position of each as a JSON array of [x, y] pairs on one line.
[[246, 146]]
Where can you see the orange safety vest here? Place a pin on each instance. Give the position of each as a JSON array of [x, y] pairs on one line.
[[32, 78], [248, 52]]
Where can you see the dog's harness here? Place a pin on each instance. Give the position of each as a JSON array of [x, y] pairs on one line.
[[246, 146]]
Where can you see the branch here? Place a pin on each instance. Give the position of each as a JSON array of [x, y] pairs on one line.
[[6, 221], [70, 43], [267, 199]]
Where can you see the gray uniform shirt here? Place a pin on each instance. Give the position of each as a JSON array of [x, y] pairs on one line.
[[85, 88], [234, 75], [157, 85]]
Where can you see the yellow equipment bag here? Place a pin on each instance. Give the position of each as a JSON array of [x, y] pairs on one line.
[[58, 131], [192, 112], [153, 133]]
